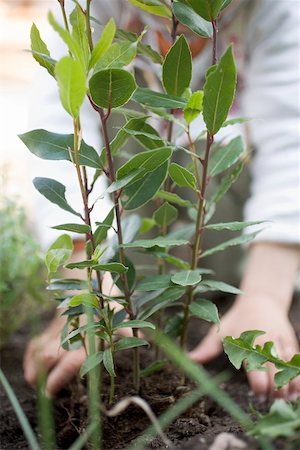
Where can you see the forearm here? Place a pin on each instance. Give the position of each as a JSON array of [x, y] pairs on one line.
[[271, 273]]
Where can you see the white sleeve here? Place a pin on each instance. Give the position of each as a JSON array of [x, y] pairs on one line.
[[46, 112], [271, 97]]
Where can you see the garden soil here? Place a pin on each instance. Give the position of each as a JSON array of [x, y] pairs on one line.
[[196, 429]]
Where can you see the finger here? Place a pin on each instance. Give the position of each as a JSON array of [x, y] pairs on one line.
[[66, 369], [209, 348], [259, 383], [29, 368]]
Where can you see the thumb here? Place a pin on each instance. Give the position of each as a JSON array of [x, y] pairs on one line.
[[209, 348]]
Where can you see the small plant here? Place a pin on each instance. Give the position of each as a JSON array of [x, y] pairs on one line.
[[97, 71], [21, 270]]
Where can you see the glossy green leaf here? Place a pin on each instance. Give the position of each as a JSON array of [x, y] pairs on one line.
[[54, 192], [232, 226], [59, 253], [103, 43], [111, 267], [130, 342], [54, 146], [208, 9], [181, 176], [219, 92], [70, 77], [159, 242], [173, 325], [65, 284], [39, 48], [120, 184], [85, 299], [73, 45], [225, 157], [165, 215], [135, 324], [149, 161], [161, 301], [147, 225], [174, 198], [130, 276], [111, 88], [186, 278], [108, 362], [227, 182], [186, 15], [78, 22], [153, 6], [154, 282], [73, 227], [143, 49], [173, 260], [244, 239], [100, 233], [147, 97], [193, 107], [204, 309], [91, 362], [213, 285], [143, 190], [177, 68], [117, 56]]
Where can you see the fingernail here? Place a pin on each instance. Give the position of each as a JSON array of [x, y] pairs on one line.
[[261, 398]]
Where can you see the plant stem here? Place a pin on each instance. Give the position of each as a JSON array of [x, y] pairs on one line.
[[88, 24], [201, 205], [62, 6]]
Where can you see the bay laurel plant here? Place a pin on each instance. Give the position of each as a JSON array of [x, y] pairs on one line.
[[102, 71]]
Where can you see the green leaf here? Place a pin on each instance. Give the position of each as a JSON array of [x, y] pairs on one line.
[[154, 282], [147, 97], [149, 161], [91, 362], [224, 157], [181, 176], [73, 227], [289, 371], [161, 301], [70, 77], [177, 68], [120, 184], [187, 278], [219, 92], [208, 9], [147, 225], [53, 146], [135, 324], [103, 43], [117, 56], [54, 192], [100, 233], [226, 182], [173, 327], [81, 264], [73, 46], [153, 6], [143, 190], [193, 107], [165, 215], [232, 226], [111, 88], [174, 198], [230, 243], [111, 267], [59, 253], [204, 309], [281, 421], [85, 299], [130, 342], [191, 19], [130, 275], [108, 362], [65, 284], [78, 22], [39, 48], [143, 49], [170, 259], [154, 367], [212, 285], [159, 241]]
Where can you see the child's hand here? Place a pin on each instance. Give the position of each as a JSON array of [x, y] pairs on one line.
[[264, 316]]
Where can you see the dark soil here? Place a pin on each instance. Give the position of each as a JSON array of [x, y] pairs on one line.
[[196, 429]]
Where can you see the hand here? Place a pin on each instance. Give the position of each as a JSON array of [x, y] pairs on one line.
[[263, 316]]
